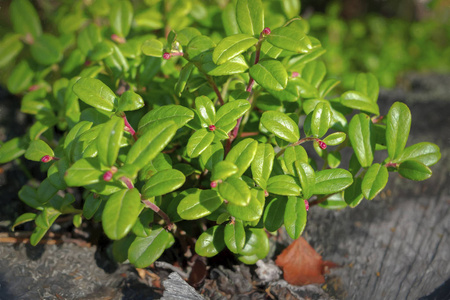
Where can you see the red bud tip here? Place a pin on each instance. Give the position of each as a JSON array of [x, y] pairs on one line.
[[166, 55], [213, 184], [266, 31], [87, 63], [107, 176], [46, 158], [212, 127], [322, 145], [33, 87], [295, 74], [307, 205], [117, 39], [266, 194]]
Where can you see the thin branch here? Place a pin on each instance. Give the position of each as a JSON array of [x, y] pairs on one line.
[[157, 210]]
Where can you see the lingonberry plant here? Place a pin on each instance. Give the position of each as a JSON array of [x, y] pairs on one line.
[[171, 124]]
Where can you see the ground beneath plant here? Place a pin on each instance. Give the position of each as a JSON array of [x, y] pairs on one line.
[[396, 246]]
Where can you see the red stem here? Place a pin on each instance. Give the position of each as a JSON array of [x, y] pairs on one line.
[[128, 127], [157, 210]]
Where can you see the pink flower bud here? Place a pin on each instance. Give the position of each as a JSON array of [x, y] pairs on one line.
[[266, 194], [212, 127], [322, 145], [295, 74], [33, 87], [213, 184], [117, 39], [266, 31], [306, 205], [166, 55], [107, 176], [46, 158]]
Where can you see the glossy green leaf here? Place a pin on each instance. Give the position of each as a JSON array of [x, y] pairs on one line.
[[10, 47], [292, 154], [290, 39], [176, 113], [291, 8], [199, 204], [353, 194], [231, 111], [314, 72], [24, 18], [320, 119], [236, 65], [28, 217], [357, 100], [120, 248], [184, 77], [88, 38], [250, 212], [414, 170], [281, 125], [307, 178], [20, 78], [108, 142], [129, 101], [250, 16], [163, 182], [56, 172], [95, 93], [335, 201], [206, 110], [101, 51], [91, 205], [83, 172], [362, 138], [229, 19], [274, 214], [121, 212], [199, 45], [151, 143], [235, 191], [283, 185], [29, 196], [256, 243], [331, 181], [153, 48], [37, 235], [270, 74], [327, 86], [367, 84], [232, 46], [46, 50], [242, 154], [210, 242], [120, 17], [198, 142], [144, 251], [223, 169], [262, 164], [213, 154], [335, 138], [398, 124], [290, 94], [374, 181], [295, 217], [426, 153], [234, 236], [12, 149]]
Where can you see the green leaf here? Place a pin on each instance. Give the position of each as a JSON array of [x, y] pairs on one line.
[[199, 45], [37, 235], [426, 153], [73, 135], [367, 84], [108, 142], [327, 86], [242, 155], [198, 142], [250, 16], [314, 72], [283, 185], [236, 65], [232, 46], [414, 170], [281, 125], [176, 113], [398, 124], [331, 181], [144, 251], [295, 217], [28, 217], [290, 39], [120, 248], [101, 51], [163, 182], [262, 164], [270, 74], [307, 178], [121, 212], [223, 169], [151, 143], [184, 77], [235, 191], [56, 172], [357, 100], [153, 48], [95, 93], [91, 205], [129, 101], [250, 212], [206, 110], [10, 47], [274, 214], [335, 138], [362, 138], [83, 172], [229, 19], [20, 77], [353, 194], [12, 149], [199, 204], [256, 243], [29, 196], [334, 202], [24, 18], [291, 8], [46, 50], [292, 154], [47, 217], [211, 156], [234, 236], [120, 17], [231, 111], [374, 181], [210, 242], [320, 119]]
